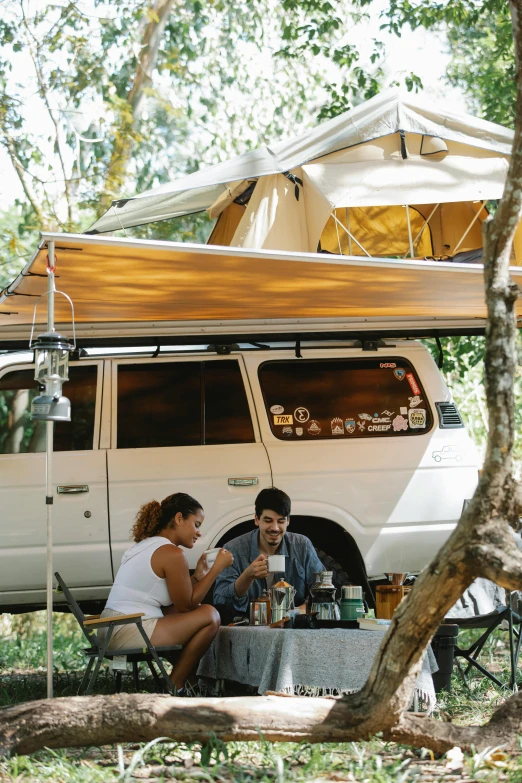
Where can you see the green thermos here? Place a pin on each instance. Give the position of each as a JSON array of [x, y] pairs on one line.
[[352, 607]]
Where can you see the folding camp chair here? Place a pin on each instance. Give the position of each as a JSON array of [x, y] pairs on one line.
[[486, 606], [98, 650]]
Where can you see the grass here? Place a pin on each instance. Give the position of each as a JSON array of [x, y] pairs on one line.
[[22, 678]]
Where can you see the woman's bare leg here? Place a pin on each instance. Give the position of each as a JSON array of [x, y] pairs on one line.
[[195, 630]]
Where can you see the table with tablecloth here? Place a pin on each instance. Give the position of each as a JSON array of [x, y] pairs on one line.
[[302, 662]]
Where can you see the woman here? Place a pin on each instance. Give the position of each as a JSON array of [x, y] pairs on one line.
[[154, 578]]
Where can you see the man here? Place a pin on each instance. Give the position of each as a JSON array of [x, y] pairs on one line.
[[248, 576]]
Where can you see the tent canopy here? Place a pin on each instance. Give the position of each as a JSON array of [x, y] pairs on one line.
[[393, 151], [140, 288]]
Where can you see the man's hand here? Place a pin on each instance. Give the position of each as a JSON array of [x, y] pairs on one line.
[[258, 569]]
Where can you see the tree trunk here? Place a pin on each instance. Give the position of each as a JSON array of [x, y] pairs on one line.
[[131, 110]]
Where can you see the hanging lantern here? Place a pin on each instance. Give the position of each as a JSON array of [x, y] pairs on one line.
[[51, 362]]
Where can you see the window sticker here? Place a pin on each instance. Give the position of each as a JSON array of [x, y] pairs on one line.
[[387, 365], [288, 430], [365, 416], [277, 409], [400, 423], [413, 383], [417, 418], [400, 373], [285, 418], [301, 415], [404, 411], [414, 401], [299, 431], [387, 413], [361, 425], [350, 425], [314, 428], [337, 426]]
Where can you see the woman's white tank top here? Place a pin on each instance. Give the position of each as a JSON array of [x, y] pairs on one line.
[[136, 587]]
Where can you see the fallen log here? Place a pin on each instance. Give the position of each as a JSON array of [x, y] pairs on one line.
[[96, 720]]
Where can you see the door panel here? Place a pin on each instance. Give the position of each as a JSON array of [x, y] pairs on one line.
[[80, 543], [184, 402]]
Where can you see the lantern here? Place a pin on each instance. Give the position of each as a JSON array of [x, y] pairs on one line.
[[51, 361]]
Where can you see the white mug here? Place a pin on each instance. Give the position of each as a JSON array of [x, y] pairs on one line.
[[210, 556], [276, 564]]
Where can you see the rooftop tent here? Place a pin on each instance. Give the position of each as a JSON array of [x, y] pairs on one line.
[[346, 181]]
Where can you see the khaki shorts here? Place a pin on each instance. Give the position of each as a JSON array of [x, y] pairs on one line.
[[126, 636]]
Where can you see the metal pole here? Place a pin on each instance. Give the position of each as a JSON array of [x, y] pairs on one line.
[[49, 488], [410, 240]]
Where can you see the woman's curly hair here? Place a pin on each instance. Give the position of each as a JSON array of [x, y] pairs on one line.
[[153, 517]]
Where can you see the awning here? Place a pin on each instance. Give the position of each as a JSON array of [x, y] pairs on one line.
[[136, 288]]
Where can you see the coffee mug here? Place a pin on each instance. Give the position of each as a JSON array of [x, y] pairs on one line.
[[210, 556], [276, 564]]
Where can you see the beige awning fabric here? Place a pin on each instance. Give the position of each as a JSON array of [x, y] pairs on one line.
[[142, 287]]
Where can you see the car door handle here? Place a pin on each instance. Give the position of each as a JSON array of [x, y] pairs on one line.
[[72, 489], [243, 482]]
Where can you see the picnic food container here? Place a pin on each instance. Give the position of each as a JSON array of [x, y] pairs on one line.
[[352, 606]]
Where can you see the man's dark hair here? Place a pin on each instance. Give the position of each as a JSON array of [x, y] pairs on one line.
[[275, 500]]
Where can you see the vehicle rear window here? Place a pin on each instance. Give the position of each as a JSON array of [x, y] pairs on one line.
[[344, 398], [19, 434], [182, 404]]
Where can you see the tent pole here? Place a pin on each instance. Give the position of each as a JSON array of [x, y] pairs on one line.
[[466, 232], [49, 487], [348, 227], [350, 235], [407, 208], [423, 227]]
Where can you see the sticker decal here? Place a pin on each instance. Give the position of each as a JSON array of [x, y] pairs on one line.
[[288, 430], [337, 426], [379, 427], [387, 365], [299, 431], [414, 401], [404, 411], [448, 452], [361, 425], [285, 418], [413, 383], [365, 416], [399, 423], [417, 418], [388, 414], [350, 425], [301, 415], [399, 373], [381, 420], [277, 409], [314, 428]]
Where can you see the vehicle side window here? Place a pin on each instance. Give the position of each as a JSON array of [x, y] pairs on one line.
[[344, 398], [20, 435], [159, 405], [182, 404], [227, 417]]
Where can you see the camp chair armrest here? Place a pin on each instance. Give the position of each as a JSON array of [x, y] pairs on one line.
[[92, 617], [122, 619]]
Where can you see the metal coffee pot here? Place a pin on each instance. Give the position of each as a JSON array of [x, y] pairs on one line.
[[282, 595], [322, 593]]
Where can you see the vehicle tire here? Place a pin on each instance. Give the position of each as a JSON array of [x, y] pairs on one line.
[[340, 577], [437, 458]]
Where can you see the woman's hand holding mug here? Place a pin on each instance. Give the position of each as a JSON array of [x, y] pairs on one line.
[[223, 560]]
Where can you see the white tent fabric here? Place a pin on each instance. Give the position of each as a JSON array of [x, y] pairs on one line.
[[384, 115]]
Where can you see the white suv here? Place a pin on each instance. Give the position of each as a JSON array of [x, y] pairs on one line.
[[368, 445]]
